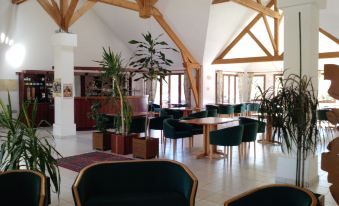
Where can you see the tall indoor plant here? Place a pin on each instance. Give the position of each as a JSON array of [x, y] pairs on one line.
[[150, 56], [23, 146], [112, 68], [294, 108]]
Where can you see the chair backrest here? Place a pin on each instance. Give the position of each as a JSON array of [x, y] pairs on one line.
[[276, 194], [239, 108], [201, 114], [261, 124], [212, 112], [226, 109], [253, 107], [177, 114], [250, 132], [230, 136], [210, 107], [156, 123], [22, 187], [134, 177]]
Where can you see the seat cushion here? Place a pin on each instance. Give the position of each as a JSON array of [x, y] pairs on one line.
[[140, 199]]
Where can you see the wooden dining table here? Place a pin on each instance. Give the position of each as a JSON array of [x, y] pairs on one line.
[[209, 124]]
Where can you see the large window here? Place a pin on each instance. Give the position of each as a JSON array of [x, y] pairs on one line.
[[171, 91], [230, 87], [258, 81]]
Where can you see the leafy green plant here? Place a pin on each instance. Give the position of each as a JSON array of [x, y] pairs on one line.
[[112, 67], [150, 56], [23, 146], [100, 119], [294, 108]]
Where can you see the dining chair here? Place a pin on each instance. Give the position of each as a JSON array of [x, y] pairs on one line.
[[226, 110], [252, 108], [156, 123], [227, 137], [274, 194], [177, 114], [174, 129], [249, 135], [212, 107], [239, 109]]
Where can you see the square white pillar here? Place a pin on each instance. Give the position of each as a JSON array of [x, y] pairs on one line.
[[64, 44], [309, 11]]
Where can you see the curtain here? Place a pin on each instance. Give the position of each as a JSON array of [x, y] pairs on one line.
[[245, 86], [187, 89], [218, 92], [151, 88]]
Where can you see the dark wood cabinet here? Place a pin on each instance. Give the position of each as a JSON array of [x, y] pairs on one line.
[[36, 85]]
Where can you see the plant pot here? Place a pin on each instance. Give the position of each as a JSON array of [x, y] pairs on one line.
[[286, 170], [122, 144], [101, 141], [146, 148]]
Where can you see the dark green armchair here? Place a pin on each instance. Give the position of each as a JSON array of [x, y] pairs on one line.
[[196, 129], [22, 187], [131, 183], [226, 109], [227, 137], [174, 129], [275, 194], [177, 114], [157, 123]]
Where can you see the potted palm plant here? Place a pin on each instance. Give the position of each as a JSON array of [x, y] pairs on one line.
[[101, 138], [121, 139], [23, 146], [150, 58], [294, 108]]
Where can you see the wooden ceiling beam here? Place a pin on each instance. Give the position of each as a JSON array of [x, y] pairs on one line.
[[329, 35], [18, 1], [122, 3], [70, 12], [259, 43], [51, 10], [83, 9], [253, 5], [146, 8], [63, 7]]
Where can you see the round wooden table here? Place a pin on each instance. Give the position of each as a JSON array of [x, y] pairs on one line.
[[209, 124]]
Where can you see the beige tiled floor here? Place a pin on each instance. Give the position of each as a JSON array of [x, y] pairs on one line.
[[218, 179]]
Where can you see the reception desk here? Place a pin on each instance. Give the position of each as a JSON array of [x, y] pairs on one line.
[[82, 106]]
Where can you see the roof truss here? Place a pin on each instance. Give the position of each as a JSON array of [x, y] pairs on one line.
[[255, 5], [274, 39]]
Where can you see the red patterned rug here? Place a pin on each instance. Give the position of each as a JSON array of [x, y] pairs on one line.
[[77, 162]]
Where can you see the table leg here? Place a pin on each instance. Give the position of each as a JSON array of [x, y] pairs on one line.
[[205, 142]]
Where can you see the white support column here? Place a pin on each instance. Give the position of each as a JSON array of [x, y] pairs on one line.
[[309, 10], [64, 44]]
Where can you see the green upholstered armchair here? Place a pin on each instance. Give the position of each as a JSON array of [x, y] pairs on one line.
[[177, 114], [275, 194], [226, 109], [239, 108], [22, 187], [212, 112], [261, 124], [156, 123], [212, 107], [227, 137], [131, 183], [174, 129], [249, 135]]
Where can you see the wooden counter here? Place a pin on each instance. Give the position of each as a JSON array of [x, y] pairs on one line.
[[82, 106]]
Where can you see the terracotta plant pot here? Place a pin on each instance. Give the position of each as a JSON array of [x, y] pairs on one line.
[[146, 148], [122, 144], [101, 141]]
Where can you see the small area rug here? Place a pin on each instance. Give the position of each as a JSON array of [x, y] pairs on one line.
[[77, 162]]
